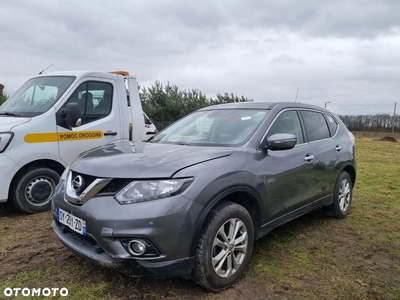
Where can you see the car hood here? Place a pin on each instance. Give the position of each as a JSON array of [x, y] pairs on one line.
[[118, 160], [7, 123]]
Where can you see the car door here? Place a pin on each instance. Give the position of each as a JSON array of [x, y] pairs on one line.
[[288, 174], [99, 123], [326, 150]]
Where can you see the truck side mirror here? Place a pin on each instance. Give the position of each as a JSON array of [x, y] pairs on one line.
[[69, 115]]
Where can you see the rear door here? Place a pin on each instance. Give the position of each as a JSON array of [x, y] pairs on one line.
[[99, 123], [288, 174], [325, 148]]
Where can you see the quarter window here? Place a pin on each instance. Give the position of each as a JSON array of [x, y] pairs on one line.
[[287, 122], [315, 125], [332, 123]]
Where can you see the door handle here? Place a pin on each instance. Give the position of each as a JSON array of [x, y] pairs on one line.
[[338, 148], [110, 133], [309, 157]]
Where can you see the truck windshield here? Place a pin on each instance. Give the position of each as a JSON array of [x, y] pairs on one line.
[[36, 96], [219, 127]]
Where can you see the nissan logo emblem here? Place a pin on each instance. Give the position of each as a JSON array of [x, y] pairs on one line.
[[77, 183]]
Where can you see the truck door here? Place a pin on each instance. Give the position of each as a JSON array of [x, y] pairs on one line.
[[99, 123]]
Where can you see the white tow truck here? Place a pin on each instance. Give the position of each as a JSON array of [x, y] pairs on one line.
[[54, 117]]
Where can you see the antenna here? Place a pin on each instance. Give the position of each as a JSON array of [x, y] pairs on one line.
[[40, 73], [295, 100]]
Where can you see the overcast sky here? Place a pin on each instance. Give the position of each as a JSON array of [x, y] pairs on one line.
[[346, 52]]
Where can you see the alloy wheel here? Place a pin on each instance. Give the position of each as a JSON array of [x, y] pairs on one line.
[[229, 248], [344, 195]]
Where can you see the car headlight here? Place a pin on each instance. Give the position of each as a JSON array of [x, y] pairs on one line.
[[140, 191], [5, 140]]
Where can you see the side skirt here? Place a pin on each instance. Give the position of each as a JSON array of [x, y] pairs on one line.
[[267, 227]]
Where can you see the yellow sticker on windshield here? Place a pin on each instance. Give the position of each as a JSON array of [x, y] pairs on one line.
[[48, 137]]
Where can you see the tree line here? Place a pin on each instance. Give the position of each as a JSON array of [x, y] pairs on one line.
[[3, 96], [377, 122], [168, 103]]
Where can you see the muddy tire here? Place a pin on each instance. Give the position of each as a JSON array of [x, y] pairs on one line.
[[33, 189], [342, 197], [224, 247]]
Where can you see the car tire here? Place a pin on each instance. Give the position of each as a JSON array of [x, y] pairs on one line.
[[342, 197], [33, 189], [221, 260]]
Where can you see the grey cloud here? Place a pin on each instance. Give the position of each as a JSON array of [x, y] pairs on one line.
[[287, 59], [340, 51], [340, 18]]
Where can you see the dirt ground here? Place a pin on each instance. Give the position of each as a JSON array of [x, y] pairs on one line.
[[388, 139], [34, 247]]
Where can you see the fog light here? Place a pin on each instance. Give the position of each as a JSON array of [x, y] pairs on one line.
[[136, 247]]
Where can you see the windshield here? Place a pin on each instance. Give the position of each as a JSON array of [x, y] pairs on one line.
[[220, 127], [36, 96]]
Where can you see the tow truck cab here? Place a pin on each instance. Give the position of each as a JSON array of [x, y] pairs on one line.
[[54, 117]]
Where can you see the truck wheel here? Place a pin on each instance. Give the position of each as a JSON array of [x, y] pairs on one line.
[[342, 197], [32, 190], [224, 247]]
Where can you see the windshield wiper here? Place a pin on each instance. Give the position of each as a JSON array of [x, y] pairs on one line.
[[184, 144], [9, 114]]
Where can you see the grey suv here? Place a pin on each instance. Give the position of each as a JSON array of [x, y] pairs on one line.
[[204, 189]]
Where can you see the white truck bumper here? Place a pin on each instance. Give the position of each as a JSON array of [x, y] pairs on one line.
[[8, 168]]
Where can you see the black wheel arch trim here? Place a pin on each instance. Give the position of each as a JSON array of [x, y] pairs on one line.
[[348, 164], [217, 200]]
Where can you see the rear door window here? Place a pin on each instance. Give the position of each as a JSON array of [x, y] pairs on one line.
[[315, 125]]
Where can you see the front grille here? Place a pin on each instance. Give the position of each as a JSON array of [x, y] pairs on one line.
[[87, 179], [84, 239], [91, 243], [115, 186], [111, 188]]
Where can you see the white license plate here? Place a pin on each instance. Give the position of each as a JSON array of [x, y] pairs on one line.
[[75, 223]]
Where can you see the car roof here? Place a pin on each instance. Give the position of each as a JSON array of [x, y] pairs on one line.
[[264, 105]]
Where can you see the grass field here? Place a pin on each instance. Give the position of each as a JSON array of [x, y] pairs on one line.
[[367, 134], [313, 257]]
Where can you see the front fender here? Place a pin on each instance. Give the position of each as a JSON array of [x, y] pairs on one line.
[[217, 200]]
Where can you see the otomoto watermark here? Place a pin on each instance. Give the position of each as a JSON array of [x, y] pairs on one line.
[[32, 292]]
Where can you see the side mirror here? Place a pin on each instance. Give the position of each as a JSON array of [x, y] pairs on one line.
[[280, 141], [70, 115]]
